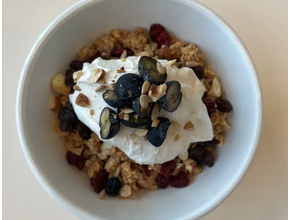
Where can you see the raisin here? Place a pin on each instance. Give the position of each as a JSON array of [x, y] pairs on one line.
[[64, 126], [67, 115], [180, 180], [224, 105], [113, 186], [75, 160], [116, 52], [84, 132], [162, 181], [194, 153], [69, 78], [205, 159], [147, 171], [76, 65], [210, 105], [199, 71], [94, 56], [69, 106], [129, 52], [168, 168], [98, 182], [155, 31], [163, 39]]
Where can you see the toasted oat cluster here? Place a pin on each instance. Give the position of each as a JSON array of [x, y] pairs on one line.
[[110, 170]]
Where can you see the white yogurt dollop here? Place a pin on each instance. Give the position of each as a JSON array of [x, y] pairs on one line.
[[138, 149]]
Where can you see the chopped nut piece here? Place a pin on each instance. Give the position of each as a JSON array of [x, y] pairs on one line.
[[215, 89], [58, 84], [126, 117], [188, 126], [176, 137], [100, 88], [155, 123], [111, 87], [97, 75], [55, 103], [102, 194], [82, 100], [192, 63], [145, 87], [125, 191], [141, 132], [183, 156], [176, 125], [77, 88], [92, 112], [156, 92], [144, 101], [155, 112], [160, 68], [122, 70], [77, 75], [123, 55], [127, 110]]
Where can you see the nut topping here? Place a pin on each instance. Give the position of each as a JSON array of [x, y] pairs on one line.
[[97, 75], [156, 92], [145, 87], [100, 88], [77, 88], [77, 75], [160, 68], [122, 70], [155, 123], [82, 100], [155, 111], [141, 132], [127, 110], [144, 101], [176, 125], [188, 126]]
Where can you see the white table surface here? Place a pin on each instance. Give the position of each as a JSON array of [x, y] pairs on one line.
[[262, 25]]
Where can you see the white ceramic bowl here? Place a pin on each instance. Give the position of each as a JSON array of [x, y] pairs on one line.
[[76, 27]]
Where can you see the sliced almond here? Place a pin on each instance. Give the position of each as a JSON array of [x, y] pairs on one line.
[[127, 110], [155, 123], [92, 112], [160, 68], [144, 101], [145, 87], [178, 165], [176, 137], [77, 88], [155, 112], [100, 88], [82, 100], [176, 125], [156, 92], [141, 132], [98, 74], [123, 55], [188, 126], [183, 156], [77, 75], [126, 191], [192, 63], [111, 87], [102, 194], [55, 103], [215, 89]]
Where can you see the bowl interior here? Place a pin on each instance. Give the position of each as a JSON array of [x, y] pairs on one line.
[[189, 21]]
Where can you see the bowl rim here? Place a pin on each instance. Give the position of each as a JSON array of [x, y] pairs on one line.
[[224, 193]]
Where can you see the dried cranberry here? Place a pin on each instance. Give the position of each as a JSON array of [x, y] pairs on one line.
[[161, 181], [116, 52], [84, 132], [199, 71], [224, 105], [168, 168], [69, 78], [98, 182], [147, 171], [67, 115], [113, 186], [129, 52], [75, 160], [155, 31], [163, 39], [76, 65], [64, 126], [180, 180], [210, 105], [94, 56]]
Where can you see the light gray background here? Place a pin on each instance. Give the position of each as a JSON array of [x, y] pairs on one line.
[[262, 25]]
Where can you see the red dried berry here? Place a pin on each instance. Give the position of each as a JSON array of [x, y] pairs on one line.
[[116, 52], [224, 105], [168, 168], [210, 105], [98, 182], [180, 180], [155, 31], [93, 57], [147, 171], [129, 52], [162, 181], [163, 39], [75, 160]]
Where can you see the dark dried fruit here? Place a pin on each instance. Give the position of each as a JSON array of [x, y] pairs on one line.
[[201, 155], [84, 132], [210, 105], [162, 181], [63, 126], [195, 152], [98, 182], [180, 180], [76, 65], [155, 31], [163, 39], [116, 52], [66, 114], [75, 160], [224, 105], [199, 71], [129, 52], [69, 78], [113, 186], [93, 57], [168, 168]]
